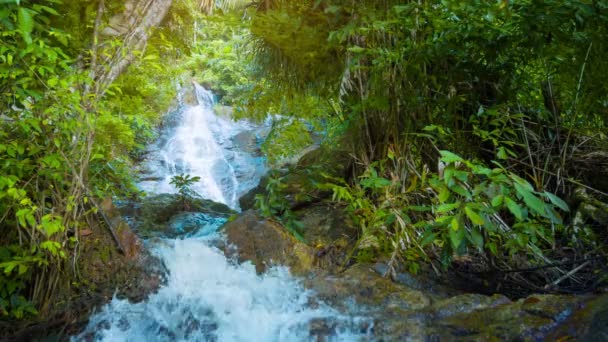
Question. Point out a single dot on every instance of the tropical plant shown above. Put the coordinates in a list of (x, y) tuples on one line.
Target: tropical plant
[(183, 183)]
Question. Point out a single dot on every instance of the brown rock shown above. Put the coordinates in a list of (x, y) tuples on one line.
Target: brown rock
[(265, 243)]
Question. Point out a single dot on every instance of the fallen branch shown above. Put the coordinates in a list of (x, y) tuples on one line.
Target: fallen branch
[(567, 275)]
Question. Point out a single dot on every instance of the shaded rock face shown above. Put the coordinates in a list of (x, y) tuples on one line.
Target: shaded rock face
[(300, 180), (120, 262), (127, 241), (590, 323), (369, 290), (533, 318)]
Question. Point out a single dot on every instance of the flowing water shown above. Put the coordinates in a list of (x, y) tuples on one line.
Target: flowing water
[(208, 297), (203, 145)]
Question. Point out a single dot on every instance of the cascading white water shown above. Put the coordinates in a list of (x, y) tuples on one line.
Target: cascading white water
[(197, 147), (208, 297)]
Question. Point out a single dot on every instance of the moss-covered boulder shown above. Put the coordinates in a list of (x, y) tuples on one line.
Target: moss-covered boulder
[(170, 215), (300, 180), (589, 323), (361, 284), (530, 319)]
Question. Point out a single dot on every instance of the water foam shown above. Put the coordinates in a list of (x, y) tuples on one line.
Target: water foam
[(209, 298)]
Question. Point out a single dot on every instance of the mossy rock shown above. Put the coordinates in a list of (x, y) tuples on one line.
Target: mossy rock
[(300, 180), (155, 215), (367, 288), (532, 318)]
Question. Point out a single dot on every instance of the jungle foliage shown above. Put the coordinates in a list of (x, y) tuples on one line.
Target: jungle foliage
[(476, 129), (67, 138), (472, 127)]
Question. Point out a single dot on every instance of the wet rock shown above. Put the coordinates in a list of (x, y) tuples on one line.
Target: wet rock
[(247, 142), (533, 318), (365, 287), (324, 224), (589, 210), (226, 112), (169, 215), (589, 323), (188, 224), (247, 201), (402, 326), (265, 243), (466, 303), (321, 329), (127, 241)]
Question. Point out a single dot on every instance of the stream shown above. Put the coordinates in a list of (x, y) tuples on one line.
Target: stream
[(207, 296)]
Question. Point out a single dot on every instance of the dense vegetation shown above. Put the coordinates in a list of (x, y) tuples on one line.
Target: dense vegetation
[(69, 128), (475, 131)]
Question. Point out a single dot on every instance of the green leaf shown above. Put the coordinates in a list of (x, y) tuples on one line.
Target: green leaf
[(444, 194), (8, 266), (427, 238), (557, 201), (455, 224), (375, 182), (462, 176), (46, 9), (447, 207), (473, 216), (449, 157), (502, 153), (22, 269), (476, 238), (497, 201), (462, 191), (531, 201), (514, 208), (26, 24), (456, 237), (448, 173)]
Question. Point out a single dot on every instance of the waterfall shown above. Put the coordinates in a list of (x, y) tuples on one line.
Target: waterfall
[(201, 146), (208, 297)]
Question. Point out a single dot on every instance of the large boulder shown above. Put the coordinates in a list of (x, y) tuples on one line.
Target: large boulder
[(589, 323), (115, 262), (265, 243)]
